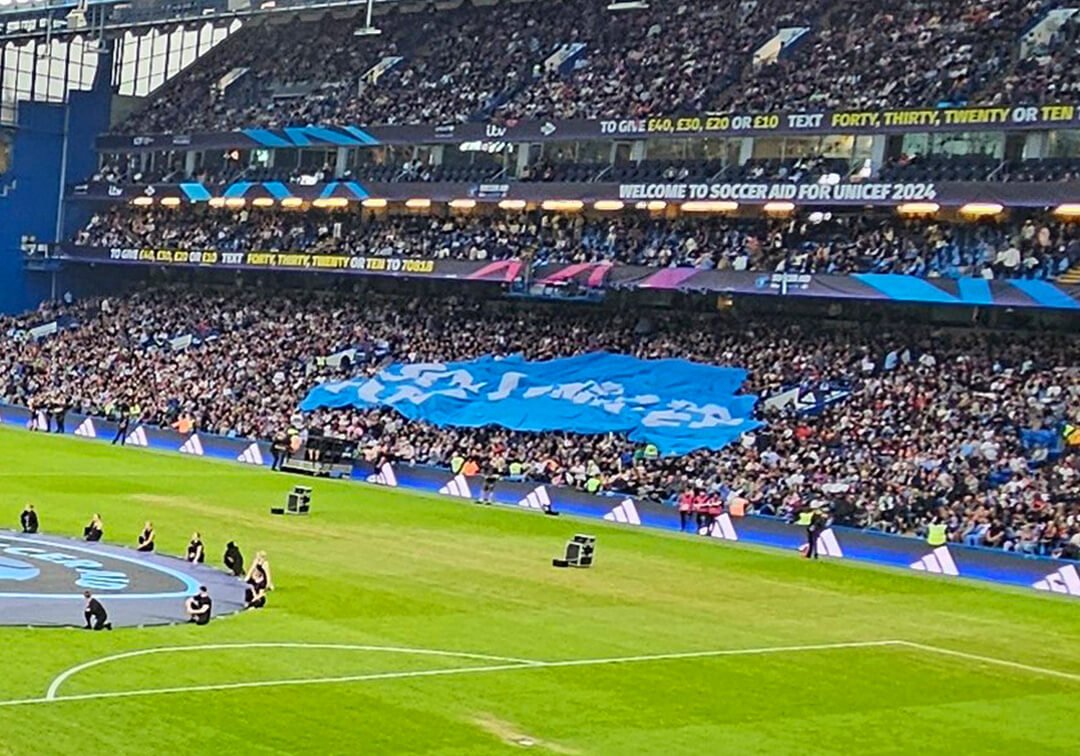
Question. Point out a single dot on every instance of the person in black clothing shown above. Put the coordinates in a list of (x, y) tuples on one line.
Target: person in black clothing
[(260, 571), (96, 612), (279, 448), (233, 559), (198, 607), (123, 419), (254, 597), (60, 410), (29, 519), (487, 495), (146, 537), (95, 530), (195, 551), (814, 528), (37, 417), (255, 591)]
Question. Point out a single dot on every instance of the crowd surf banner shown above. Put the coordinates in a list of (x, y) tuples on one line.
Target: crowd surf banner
[(678, 406)]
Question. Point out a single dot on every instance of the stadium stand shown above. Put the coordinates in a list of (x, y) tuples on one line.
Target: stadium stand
[(894, 54), (1034, 246), (578, 60), (928, 422)]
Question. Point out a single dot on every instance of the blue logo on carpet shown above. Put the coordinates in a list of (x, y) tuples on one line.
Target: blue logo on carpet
[(14, 569)]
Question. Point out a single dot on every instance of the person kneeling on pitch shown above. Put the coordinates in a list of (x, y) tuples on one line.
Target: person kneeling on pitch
[(198, 607), (233, 559), (195, 551), (260, 572), (254, 594), (29, 519), (96, 612), (95, 530), (146, 537)]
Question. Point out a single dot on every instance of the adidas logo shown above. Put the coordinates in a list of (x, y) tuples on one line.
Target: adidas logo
[(1066, 580), (458, 486), (137, 437), (250, 456), (86, 429), (939, 561), (625, 512), (385, 476), (538, 499), (722, 527), (827, 545), (192, 446)]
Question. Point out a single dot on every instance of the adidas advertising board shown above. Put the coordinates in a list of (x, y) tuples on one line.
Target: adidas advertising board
[(384, 477), (137, 437), (537, 499), (252, 455), (626, 512), (457, 487), (1034, 573), (939, 561), (192, 446), (722, 527), (1064, 580)]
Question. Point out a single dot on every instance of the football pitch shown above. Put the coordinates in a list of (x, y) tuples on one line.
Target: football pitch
[(411, 624)]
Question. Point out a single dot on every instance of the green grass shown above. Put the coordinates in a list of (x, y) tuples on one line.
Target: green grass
[(390, 568)]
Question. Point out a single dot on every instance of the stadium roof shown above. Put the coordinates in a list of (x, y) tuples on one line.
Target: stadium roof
[(33, 17)]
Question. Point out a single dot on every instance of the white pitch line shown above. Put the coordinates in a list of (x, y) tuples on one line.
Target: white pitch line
[(63, 676), (991, 660), (522, 664), (51, 697)]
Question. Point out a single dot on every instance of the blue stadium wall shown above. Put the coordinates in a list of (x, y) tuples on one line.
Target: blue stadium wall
[(954, 560), (34, 182)]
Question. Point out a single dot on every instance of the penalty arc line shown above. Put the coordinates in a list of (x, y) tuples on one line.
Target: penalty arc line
[(51, 697), (66, 674), (534, 665)]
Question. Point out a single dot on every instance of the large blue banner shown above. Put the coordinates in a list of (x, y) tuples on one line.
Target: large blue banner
[(677, 405)]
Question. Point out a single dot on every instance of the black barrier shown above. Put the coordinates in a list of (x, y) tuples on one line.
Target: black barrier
[(499, 271), (749, 193), (973, 292), (669, 126)]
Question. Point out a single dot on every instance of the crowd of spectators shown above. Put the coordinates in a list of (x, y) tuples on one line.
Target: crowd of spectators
[(476, 62), (817, 242), (903, 53), (1047, 73), (670, 58), (937, 426), (454, 64)]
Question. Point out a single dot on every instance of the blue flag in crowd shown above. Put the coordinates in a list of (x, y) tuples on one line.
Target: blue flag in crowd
[(677, 405)]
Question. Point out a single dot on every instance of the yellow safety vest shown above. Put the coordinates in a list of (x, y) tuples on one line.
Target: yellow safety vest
[(935, 535)]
